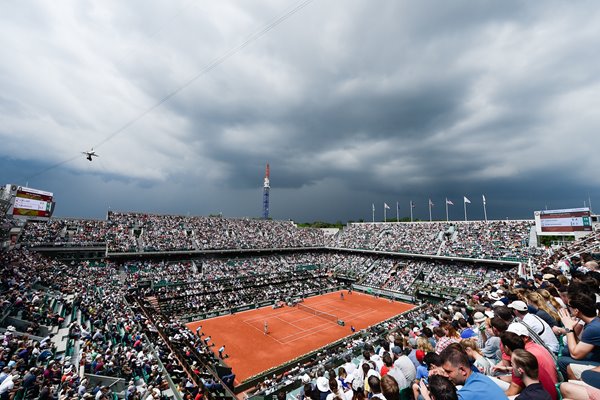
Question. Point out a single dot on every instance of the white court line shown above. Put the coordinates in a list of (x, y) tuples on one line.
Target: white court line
[(308, 334), (258, 318), (268, 335), (310, 330), (313, 331), (290, 323)]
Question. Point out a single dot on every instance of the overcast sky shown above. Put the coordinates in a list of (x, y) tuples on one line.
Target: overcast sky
[(352, 102)]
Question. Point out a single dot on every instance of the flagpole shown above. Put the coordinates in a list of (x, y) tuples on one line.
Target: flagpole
[(411, 214), (397, 212), (429, 210), (484, 209), (373, 207), (465, 204), (384, 213), (446, 209)]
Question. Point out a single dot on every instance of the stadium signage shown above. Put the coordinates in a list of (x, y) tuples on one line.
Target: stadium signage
[(563, 222), (29, 203)]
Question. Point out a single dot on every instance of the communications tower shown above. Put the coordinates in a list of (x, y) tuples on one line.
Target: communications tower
[(266, 188)]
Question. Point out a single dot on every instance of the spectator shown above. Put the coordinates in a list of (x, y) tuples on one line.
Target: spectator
[(375, 388), (585, 353), (525, 367), (438, 388), (442, 340), (538, 325), (389, 388), (517, 337), (476, 356), (475, 385), (405, 365)]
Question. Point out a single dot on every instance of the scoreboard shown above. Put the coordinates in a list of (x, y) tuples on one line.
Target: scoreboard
[(29, 203), (568, 221)]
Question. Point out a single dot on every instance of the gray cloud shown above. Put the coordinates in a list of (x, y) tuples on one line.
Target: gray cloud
[(351, 102)]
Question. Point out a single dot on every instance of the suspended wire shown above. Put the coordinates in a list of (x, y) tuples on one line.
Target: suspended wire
[(206, 69), (209, 67), (50, 168)]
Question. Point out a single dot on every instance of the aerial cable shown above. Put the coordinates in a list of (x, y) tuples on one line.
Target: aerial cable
[(209, 67), (206, 69)]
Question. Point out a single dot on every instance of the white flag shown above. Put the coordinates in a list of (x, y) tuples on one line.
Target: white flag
[(483, 195), (449, 202), (467, 200), (386, 206)]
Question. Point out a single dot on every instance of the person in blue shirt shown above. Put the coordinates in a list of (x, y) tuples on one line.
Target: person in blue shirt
[(431, 361), (455, 363)]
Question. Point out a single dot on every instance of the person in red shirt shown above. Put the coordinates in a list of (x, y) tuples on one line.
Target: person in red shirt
[(388, 363), (517, 337)]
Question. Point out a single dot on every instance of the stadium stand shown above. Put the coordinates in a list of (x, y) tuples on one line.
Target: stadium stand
[(114, 328)]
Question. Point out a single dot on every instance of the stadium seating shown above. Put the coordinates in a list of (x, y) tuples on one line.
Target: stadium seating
[(120, 321)]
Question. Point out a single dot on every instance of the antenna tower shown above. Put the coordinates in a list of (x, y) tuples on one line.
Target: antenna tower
[(266, 188)]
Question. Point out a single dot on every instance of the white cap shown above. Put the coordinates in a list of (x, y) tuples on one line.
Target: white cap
[(518, 328), (518, 305)]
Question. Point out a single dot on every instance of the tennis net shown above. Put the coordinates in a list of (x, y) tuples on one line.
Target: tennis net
[(314, 311)]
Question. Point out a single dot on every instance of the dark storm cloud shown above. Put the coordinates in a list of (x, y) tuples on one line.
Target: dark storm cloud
[(351, 102)]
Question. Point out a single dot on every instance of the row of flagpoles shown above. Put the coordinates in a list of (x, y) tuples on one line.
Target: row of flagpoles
[(412, 205)]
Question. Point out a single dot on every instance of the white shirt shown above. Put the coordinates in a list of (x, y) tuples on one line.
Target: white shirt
[(349, 367), (7, 385), (407, 367), (397, 374), (543, 330), (378, 361)]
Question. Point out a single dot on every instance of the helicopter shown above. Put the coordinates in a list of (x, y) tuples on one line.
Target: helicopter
[(90, 154)]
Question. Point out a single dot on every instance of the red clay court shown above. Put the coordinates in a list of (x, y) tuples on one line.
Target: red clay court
[(292, 331)]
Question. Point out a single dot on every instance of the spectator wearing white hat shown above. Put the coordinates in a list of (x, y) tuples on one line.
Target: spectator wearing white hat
[(479, 327), (538, 325), (517, 336)]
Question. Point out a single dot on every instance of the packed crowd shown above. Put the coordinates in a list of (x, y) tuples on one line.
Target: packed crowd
[(476, 239), (227, 293), (61, 232), (206, 275), (516, 335), (490, 240), (85, 307), (160, 271), (353, 266), (179, 233), (140, 232)]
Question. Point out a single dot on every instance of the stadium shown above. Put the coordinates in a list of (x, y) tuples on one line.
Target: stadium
[(143, 255), (176, 306)]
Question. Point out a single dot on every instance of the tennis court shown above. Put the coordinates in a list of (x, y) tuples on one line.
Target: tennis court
[(292, 331)]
